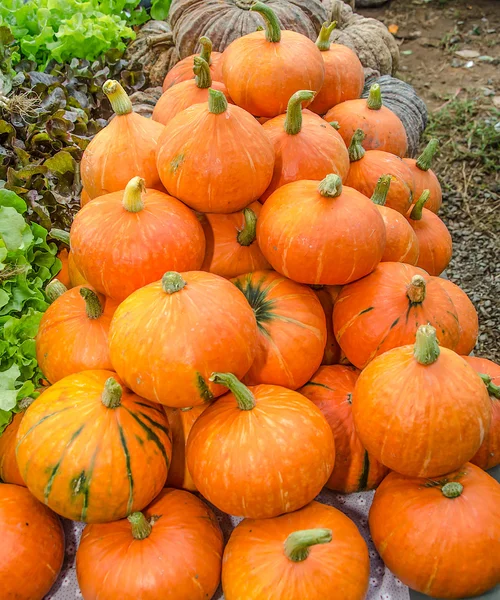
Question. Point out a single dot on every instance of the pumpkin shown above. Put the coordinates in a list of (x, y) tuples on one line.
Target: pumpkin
[(401, 242), (9, 471), (227, 20), (63, 275), (321, 232), (488, 455), (331, 389), (297, 556), (327, 295), (84, 198), (73, 332), (344, 75), (171, 550), (75, 277), (93, 451), (263, 427), (462, 510), (468, 323), (382, 128), (292, 329), (305, 146), (421, 410), (181, 420), (434, 239), (126, 147), (367, 166), (232, 248), (28, 528), (215, 157), (137, 232), (188, 325), (424, 177), (253, 64), (385, 309)]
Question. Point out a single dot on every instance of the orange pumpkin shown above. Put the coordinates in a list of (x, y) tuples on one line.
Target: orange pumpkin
[(126, 147), (488, 455), (382, 128), (434, 239), (75, 277), (9, 471), (462, 510), (92, 450), (385, 309), (84, 198), (231, 247), (255, 63), (327, 295), (236, 470), (468, 323), (314, 553), (344, 75), (215, 157), (172, 550), (331, 389), (367, 166), (63, 275), (189, 92), (421, 410), (305, 146), (425, 178), (138, 233), (167, 338), (28, 528), (292, 329), (183, 70), (321, 232)]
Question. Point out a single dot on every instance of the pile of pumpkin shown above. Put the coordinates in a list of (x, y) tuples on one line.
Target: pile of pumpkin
[(258, 315)]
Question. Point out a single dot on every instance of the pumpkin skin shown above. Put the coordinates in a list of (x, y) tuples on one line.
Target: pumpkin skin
[(327, 295), (255, 564), (63, 275), (236, 472), (125, 148), (305, 146), (385, 309), (321, 233), (180, 559), (9, 471), (217, 330), (215, 158), (27, 526), (331, 389), (138, 232), (253, 64), (183, 70), (468, 323), (231, 245), (425, 178), (488, 455), (421, 410), (292, 329), (73, 334), (84, 199), (96, 463), (75, 277), (461, 559)]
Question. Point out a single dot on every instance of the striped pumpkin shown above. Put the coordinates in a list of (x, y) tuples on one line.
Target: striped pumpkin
[(93, 451)]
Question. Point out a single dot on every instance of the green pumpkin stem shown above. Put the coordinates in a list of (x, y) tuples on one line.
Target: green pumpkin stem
[(417, 211), (132, 196), (335, 125), (112, 393), (356, 150), (381, 190), (206, 49), (55, 289), (273, 28), (120, 102), (60, 235), (246, 236), (424, 161), (93, 305), (141, 527), (374, 101), (453, 489), (203, 78), (426, 349), (293, 121), (323, 41), (172, 282), (243, 395), (331, 186), (217, 102), (298, 544), (416, 290), (493, 390)]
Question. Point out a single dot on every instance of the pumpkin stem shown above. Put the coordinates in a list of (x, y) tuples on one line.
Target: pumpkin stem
[(426, 345), (25, 403), (217, 102), (335, 125), (493, 390), (132, 196), (206, 49), (60, 235), (172, 282), (55, 289), (424, 161), (453, 489), (330, 187), (120, 102), (293, 121), (298, 543), (416, 290), (246, 236), (323, 41), (243, 395), (416, 213), (141, 527), (93, 305), (356, 150), (381, 190), (273, 28), (203, 78), (374, 101), (112, 393)]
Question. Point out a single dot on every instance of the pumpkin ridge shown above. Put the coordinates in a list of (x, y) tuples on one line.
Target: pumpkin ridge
[(86, 489), (55, 469), (39, 423), (158, 410), (321, 385), (165, 430), (203, 388), (294, 322), (363, 479), (130, 477), (151, 435)]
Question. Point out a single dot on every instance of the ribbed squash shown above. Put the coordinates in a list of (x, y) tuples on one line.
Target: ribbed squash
[(425, 178)]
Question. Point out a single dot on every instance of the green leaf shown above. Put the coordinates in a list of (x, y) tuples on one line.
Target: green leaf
[(12, 228), (9, 198), (160, 9)]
